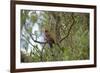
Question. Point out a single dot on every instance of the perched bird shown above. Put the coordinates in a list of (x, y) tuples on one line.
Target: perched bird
[(49, 39)]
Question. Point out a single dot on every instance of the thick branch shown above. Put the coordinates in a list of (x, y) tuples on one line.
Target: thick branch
[(69, 29), (36, 40)]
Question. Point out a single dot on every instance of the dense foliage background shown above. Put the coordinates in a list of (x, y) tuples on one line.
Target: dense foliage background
[(70, 31)]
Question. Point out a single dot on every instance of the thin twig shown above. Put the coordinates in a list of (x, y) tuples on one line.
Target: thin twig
[(27, 40), (33, 38), (42, 52)]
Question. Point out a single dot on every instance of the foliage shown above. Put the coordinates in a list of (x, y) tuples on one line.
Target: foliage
[(70, 31)]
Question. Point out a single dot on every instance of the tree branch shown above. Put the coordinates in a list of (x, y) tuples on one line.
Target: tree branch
[(41, 57), (28, 40), (36, 40), (30, 43), (69, 28), (30, 34)]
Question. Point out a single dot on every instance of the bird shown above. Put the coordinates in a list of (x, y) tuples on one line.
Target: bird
[(49, 39)]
